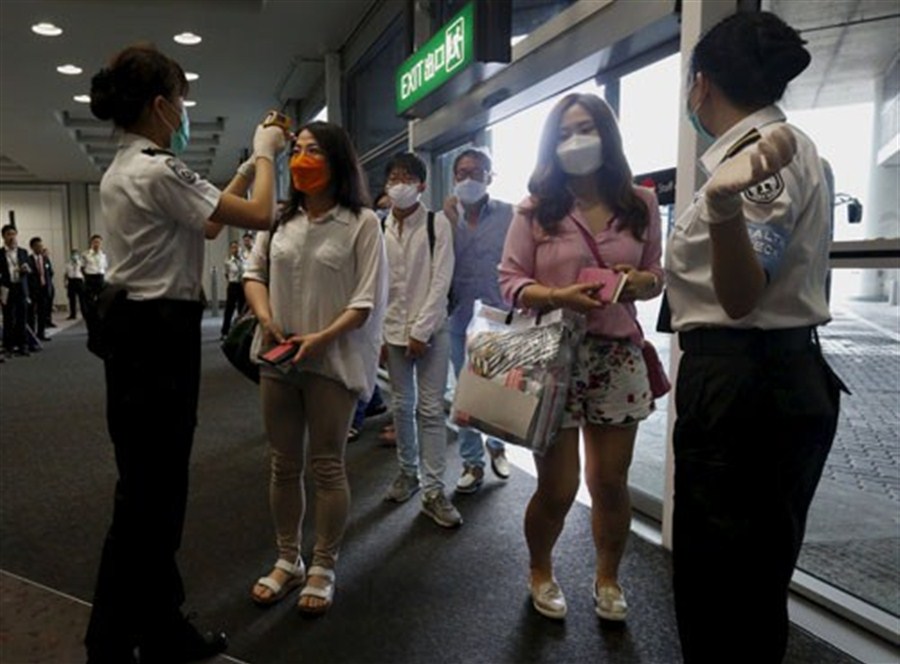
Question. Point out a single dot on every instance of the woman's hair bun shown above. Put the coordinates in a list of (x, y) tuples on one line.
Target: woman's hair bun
[(782, 51), (103, 94)]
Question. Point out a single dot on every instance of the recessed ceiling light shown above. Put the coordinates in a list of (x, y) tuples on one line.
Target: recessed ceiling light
[(82, 99), (191, 76), (70, 70), (188, 38), (46, 29), (189, 103)]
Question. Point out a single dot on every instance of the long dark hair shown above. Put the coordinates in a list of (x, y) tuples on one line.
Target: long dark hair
[(347, 183), (134, 78), (548, 183), (751, 57)]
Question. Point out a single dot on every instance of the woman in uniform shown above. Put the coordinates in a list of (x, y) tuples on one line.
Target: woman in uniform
[(582, 195), (757, 405), (318, 281), (158, 213)]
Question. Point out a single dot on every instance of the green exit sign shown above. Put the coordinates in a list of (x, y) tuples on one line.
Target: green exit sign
[(447, 53)]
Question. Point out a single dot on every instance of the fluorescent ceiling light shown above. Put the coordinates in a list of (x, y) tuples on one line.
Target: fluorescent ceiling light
[(70, 70), (82, 99), (188, 38), (46, 29), (189, 103), (191, 76)]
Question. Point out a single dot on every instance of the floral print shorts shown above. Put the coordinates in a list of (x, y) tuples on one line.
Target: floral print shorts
[(609, 385)]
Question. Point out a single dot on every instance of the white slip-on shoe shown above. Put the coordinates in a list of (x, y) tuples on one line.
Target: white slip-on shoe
[(548, 600), (609, 602)]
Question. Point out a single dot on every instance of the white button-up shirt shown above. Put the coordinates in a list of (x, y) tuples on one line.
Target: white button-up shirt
[(419, 283), (94, 262), (157, 208), (318, 270)]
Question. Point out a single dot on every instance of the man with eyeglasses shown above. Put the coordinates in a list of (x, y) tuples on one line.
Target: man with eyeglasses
[(479, 226)]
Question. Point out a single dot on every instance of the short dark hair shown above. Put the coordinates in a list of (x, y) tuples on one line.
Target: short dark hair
[(751, 57), (33, 241), (548, 183), (347, 185), (474, 153), (9, 227), (408, 162), (133, 79), (96, 236), (248, 234)]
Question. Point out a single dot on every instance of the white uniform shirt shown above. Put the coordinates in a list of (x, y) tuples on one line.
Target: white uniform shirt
[(234, 269), (419, 284), (318, 270), (789, 221), (94, 262), (73, 269), (155, 209)]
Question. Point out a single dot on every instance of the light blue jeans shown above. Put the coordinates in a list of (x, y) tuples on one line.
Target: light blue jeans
[(417, 391), (470, 448)]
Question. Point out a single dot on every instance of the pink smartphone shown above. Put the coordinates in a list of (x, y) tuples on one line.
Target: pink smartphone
[(611, 282), (281, 353)]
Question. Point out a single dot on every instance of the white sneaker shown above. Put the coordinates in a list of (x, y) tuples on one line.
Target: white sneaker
[(470, 480), (499, 463), (609, 602)]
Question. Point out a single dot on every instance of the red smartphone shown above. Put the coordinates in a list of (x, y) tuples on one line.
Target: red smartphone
[(610, 282), (280, 354)]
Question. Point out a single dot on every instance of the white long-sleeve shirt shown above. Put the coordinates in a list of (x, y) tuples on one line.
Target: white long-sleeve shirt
[(419, 283)]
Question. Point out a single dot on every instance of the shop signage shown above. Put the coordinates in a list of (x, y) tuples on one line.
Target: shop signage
[(443, 56), (663, 182)]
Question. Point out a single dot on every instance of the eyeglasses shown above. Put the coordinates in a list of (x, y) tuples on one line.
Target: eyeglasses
[(471, 174)]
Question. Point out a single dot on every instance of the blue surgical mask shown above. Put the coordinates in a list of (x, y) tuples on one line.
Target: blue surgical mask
[(180, 137), (694, 119)]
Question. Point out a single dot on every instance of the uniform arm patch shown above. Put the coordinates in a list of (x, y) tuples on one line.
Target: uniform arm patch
[(183, 172), (769, 242), (765, 192)]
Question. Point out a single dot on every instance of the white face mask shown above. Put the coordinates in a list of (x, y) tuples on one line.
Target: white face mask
[(580, 154), (470, 191), (403, 195)]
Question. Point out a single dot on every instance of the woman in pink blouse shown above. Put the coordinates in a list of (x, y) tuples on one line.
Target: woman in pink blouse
[(581, 192)]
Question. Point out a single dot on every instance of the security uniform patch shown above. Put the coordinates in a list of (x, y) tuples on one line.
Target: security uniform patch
[(182, 171), (766, 191)]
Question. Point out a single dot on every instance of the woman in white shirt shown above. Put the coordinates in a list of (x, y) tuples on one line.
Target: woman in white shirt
[(321, 286)]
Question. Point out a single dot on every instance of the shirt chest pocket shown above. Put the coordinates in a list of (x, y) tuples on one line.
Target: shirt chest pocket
[(334, 253)]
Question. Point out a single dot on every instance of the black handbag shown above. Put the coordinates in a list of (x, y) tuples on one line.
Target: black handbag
[(236, 346)]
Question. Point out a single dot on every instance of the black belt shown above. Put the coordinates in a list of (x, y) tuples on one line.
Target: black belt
[(731, 341)]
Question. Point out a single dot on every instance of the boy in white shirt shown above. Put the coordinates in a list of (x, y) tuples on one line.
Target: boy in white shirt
[(420, 259)]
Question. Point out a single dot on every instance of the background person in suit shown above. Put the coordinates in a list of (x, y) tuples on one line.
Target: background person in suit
[(39, 288), (14, 283)]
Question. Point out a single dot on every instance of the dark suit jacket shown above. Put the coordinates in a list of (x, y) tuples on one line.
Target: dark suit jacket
[(5, 278), (34, 279)]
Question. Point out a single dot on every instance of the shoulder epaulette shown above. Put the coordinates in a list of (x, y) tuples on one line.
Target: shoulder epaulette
[(153, 152), (747, 139)]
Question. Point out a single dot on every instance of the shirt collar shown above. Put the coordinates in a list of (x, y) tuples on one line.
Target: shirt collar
[(718, 151), (415, 217), (338, 213), (483, 212), (137, 141)]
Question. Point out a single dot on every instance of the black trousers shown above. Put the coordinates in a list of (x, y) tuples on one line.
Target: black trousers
[(234, 304), (14, 312), (75, 291), (152, 382), (757, 413), (37, 311)]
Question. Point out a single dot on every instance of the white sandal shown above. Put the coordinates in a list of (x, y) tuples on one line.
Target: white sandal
[(296, 577), (326, 593)]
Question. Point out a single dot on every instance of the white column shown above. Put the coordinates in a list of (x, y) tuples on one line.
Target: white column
[(697, 16)]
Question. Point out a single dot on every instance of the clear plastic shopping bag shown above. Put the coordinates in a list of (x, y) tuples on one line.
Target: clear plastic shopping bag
[(517, 373)]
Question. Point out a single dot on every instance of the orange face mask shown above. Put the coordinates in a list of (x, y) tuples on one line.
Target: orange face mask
[(309, 175)]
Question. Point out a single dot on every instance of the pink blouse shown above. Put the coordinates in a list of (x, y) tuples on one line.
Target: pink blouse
[(532, 256)]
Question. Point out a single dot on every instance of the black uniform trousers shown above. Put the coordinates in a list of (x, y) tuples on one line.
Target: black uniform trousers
[(757, 413), (14, 312), (234, 304), (37, 310), (152, 382), (75, 291)]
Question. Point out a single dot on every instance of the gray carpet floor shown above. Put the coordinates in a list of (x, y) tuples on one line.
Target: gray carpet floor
[(407, 591)]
